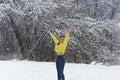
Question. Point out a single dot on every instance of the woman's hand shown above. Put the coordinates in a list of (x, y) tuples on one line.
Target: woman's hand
[(71, 30), (48, 32)]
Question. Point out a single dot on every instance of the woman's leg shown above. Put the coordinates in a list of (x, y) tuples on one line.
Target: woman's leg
[(62, 68), (58, 68), (60, 63)]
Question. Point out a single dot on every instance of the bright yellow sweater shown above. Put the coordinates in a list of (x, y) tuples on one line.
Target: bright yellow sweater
[(62, 46)]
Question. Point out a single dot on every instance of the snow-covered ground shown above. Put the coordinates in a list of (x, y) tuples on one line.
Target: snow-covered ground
[(29, 70)]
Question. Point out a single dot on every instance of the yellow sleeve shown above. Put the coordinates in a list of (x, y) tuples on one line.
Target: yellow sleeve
[(66, 39), (54, 38)]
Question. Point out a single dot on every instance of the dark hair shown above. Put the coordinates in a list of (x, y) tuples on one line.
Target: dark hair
[(60, 37)]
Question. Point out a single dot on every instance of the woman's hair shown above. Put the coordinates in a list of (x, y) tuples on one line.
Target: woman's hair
[(60, 37)]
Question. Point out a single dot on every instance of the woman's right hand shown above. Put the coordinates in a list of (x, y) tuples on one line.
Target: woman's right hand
[(48, 32)]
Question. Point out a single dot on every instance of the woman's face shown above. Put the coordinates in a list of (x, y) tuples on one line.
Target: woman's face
[(61, 39)]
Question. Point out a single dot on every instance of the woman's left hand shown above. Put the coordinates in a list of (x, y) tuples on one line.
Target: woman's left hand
[(71, 30)]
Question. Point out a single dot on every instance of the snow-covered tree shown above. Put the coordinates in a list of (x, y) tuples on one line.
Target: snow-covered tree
[(24, 25)]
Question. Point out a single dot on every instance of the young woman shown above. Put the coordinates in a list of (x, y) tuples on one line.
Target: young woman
[(60, 47)]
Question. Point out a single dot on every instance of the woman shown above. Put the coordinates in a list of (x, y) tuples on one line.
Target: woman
[(60, 47)]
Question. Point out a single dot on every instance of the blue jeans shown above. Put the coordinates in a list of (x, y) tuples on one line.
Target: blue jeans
[(60, 63)]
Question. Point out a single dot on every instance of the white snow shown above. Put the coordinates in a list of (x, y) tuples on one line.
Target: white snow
[(29, 70)]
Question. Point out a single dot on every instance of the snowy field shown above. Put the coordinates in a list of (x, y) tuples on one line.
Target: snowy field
[(29, 70)]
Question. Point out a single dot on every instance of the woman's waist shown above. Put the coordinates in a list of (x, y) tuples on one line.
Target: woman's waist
[(60, 54)]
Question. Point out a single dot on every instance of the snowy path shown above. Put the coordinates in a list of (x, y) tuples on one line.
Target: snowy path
[(29, 70)]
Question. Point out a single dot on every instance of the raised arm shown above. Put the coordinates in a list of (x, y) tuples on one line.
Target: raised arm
[(67, 36), (54, 38)]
